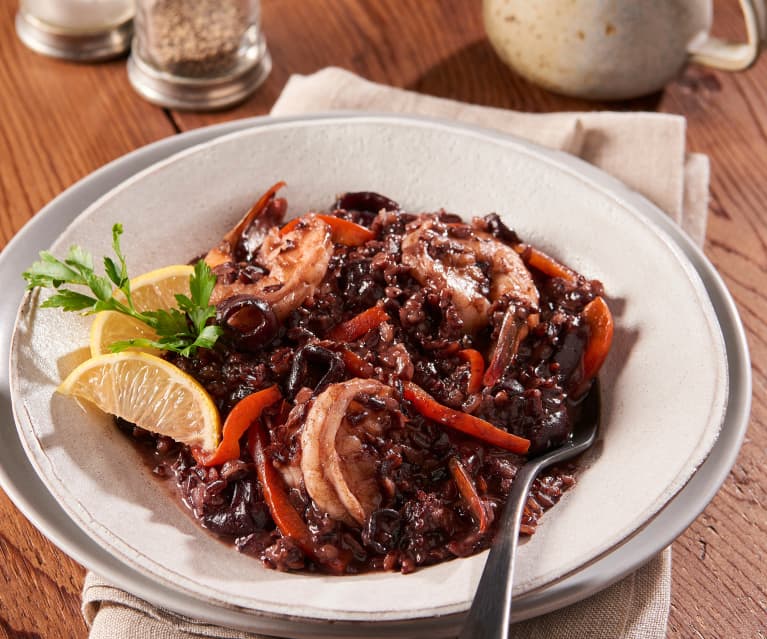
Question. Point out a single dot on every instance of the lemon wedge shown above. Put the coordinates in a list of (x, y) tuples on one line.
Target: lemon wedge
[(149, 392), (154, 290)]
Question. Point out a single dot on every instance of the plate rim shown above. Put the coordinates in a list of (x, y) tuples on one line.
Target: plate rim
[(605, 183)]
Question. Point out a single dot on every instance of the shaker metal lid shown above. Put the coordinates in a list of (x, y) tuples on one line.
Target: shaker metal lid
[(200, 93), (81, 47)]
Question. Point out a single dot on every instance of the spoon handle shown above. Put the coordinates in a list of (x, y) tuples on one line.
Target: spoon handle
[(490, 613)]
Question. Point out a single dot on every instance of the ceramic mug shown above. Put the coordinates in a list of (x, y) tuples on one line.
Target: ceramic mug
[(614, 49)]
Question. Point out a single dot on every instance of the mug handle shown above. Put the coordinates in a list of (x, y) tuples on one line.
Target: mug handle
[(732, 56)]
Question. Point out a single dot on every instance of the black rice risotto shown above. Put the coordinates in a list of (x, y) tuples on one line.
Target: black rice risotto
[(398, 367)]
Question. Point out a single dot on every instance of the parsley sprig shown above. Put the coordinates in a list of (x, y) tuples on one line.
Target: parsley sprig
[(182, 330)]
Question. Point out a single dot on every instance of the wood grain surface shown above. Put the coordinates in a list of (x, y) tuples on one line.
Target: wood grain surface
[(60, 121)]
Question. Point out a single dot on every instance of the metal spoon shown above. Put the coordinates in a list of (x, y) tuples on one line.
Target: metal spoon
[(490, 614)]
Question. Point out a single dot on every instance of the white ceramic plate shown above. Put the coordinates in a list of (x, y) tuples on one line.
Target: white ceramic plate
[(555, 202)]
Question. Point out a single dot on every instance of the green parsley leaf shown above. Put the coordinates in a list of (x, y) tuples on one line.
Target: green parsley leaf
[(50, 273), (117, 347), (80, 259), (201, 284), (168, 323), (69, 301), (182, 330), (208, 336)]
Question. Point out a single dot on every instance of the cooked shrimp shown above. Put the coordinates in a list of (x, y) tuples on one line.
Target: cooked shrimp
[(478, 270), (339, 475), (250, 231), (296, 262)]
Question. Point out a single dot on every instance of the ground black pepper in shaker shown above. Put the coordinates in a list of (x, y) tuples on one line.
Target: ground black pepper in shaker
[(198, 54)]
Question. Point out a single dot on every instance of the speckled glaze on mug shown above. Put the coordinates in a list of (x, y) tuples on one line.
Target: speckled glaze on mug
[(613, 49)]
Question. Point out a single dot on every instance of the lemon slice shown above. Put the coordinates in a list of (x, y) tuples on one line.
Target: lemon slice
[(154, 290), (149, 392)]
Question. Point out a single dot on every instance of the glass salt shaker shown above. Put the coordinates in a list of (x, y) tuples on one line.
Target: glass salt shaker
[(82, 30), (198, 54)]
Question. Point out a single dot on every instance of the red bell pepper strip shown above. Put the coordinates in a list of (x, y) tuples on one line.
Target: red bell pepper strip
[(290, 225), (346, 232), (284, 514), (244, 413), (468, 492), (476, 368), (356, 365), (430, 408), (358, 325), (545, 263), (513, 331), (223, 253), (233, 235), (341, 231), (601, 327)]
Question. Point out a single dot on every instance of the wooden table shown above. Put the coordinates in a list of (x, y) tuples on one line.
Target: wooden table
[(60, 121)]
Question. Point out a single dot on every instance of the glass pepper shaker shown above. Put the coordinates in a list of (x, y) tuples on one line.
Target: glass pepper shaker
[(82, 30), (198, 54)]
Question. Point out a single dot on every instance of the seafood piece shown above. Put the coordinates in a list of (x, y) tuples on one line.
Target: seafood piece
[(365, 201), (249, 320), (241, 243), (339, 474), (296, 263), (327, 365), (478, 270)]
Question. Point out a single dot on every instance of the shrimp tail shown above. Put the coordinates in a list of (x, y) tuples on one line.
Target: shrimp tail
[(513, 330), (224, 252)]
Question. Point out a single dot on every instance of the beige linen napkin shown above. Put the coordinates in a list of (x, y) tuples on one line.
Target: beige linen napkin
[(634, 608), (646, 151)]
